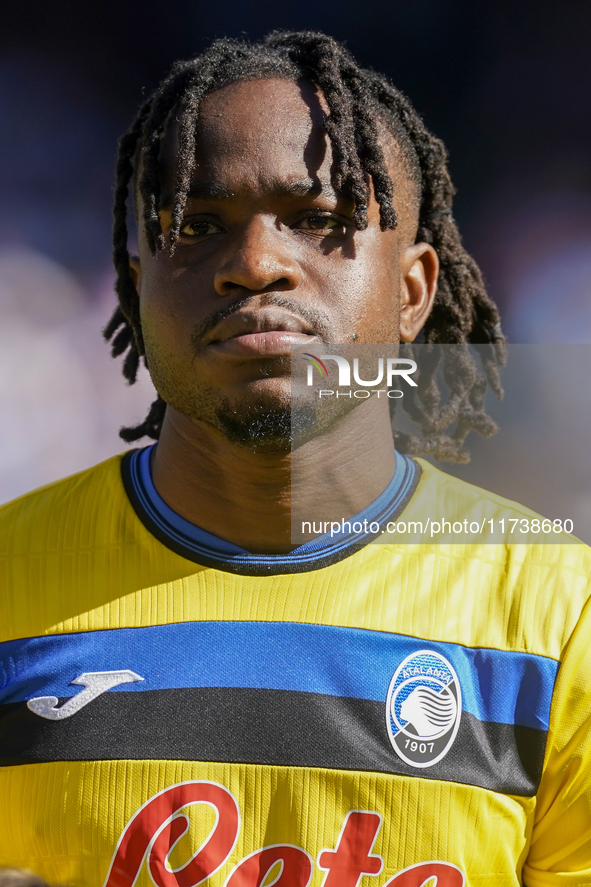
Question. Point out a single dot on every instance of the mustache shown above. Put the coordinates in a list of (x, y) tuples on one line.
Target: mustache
[(317, 321)]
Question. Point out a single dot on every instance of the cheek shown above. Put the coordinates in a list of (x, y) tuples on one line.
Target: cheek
[(371, 308), (379, 323), (170, 303), (159, 319)]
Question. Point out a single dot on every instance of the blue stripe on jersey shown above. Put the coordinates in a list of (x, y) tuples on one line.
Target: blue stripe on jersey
[(199, 542), (500, 686)]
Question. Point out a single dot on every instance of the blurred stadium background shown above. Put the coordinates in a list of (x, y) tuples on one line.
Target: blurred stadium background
[(506, 85)]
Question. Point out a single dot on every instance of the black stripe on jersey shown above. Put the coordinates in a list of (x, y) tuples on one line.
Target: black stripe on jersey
[(276, 727)]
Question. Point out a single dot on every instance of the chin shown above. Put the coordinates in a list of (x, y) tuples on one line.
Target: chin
[(259, 417), (256, 415), (255, 425)]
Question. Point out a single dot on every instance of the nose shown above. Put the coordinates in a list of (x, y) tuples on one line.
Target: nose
[(260, 258)]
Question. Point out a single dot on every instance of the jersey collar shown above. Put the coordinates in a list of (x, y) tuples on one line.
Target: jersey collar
[(202, 547)]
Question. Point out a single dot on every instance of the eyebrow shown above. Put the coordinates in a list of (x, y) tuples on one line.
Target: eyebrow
[(212, 190)]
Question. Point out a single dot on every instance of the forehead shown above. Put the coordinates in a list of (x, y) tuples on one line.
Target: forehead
[(256, 128), (255, 133), (278, 109)]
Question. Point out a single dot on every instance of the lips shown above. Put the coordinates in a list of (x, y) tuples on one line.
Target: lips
[(266, 332)]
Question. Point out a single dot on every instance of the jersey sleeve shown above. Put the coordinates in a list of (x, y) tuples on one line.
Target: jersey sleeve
[(560, 850)]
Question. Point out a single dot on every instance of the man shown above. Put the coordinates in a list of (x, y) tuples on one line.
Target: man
[(188, 696)]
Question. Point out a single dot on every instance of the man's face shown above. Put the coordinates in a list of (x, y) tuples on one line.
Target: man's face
[(268, 258)]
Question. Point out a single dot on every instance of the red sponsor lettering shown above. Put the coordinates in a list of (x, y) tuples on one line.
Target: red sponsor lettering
[(295, 871), (442, 874), (152, 833), (156, 828), (351, 858)]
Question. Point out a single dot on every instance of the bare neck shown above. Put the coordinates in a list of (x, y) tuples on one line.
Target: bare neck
[(253, 499)]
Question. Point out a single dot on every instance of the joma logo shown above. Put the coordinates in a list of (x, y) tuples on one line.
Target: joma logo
[(95, 683)]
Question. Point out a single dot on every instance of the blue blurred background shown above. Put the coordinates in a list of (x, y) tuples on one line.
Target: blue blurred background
[(505, 84)]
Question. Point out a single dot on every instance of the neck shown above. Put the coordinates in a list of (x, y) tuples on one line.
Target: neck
[(253, 498)]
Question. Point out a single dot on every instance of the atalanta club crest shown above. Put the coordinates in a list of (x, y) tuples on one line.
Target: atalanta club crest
[(423, 708)]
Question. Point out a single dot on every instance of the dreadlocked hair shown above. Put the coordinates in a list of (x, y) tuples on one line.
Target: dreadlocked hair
[(358, 102)]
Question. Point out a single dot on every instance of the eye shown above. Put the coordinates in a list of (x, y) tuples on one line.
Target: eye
[(321, 224), (193, 228)]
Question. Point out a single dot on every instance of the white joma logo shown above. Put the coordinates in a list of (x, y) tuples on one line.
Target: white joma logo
[(94, 682)]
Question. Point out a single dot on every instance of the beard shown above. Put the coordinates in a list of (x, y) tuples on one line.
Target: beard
[(258, 419), (256, 426), (270, 427), (275, 429)]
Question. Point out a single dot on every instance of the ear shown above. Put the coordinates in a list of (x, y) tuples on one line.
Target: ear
[(135, 272), (419, 269)]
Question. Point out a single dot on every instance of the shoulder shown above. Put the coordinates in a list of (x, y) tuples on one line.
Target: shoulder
[(497, 573), (56, 547), (50, 515), (459, 493), (446, 496)]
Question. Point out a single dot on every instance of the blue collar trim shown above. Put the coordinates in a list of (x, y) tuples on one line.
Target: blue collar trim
[(198, 545)]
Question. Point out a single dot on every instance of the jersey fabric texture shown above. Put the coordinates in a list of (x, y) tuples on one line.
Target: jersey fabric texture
[(174, 709)]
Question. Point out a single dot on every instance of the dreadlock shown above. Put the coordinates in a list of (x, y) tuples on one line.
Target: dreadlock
[(358, 101)]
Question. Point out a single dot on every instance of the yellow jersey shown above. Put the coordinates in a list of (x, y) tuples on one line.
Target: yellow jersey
[(176, 711)]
